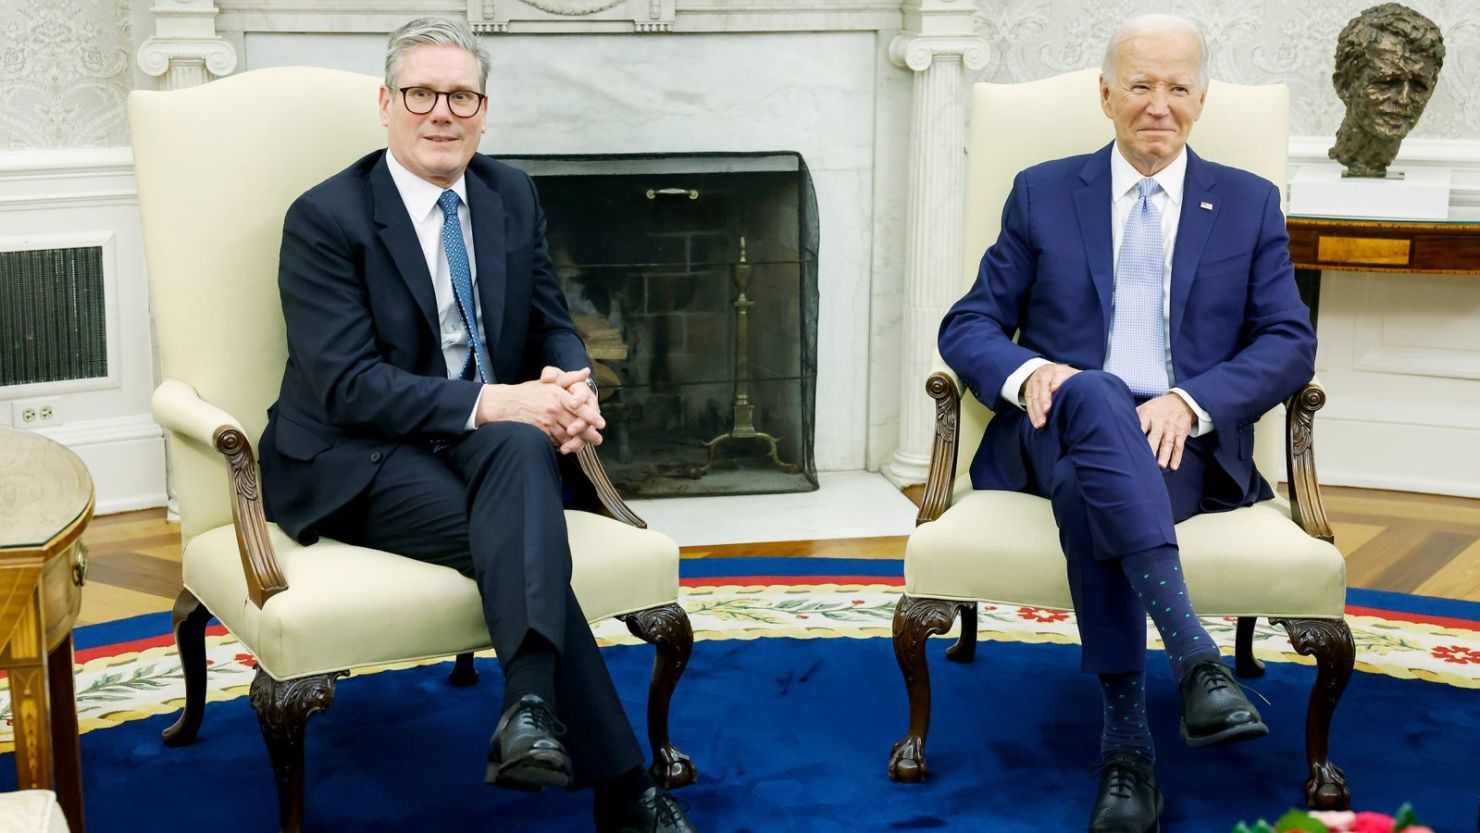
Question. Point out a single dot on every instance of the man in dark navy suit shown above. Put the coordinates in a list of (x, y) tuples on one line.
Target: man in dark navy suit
[(1157, 319), (433, 379)]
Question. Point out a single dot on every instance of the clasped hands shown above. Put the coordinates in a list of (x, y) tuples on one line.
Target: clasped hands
[(559, 403), (1167, 421)]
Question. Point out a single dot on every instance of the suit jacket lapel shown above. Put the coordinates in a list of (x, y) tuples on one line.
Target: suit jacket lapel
[(1092, 204), (1193, 229), (399, 237), (490, 251)]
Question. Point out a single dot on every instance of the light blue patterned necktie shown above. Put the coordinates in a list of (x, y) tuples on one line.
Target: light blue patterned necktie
[(462, 286), (1137, 351)]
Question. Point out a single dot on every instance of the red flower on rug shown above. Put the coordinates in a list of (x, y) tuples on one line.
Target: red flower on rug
[(1458, 654), (1038, 614), (246, 659)]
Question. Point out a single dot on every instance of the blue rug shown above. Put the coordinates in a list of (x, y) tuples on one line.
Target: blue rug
[(793, 734)]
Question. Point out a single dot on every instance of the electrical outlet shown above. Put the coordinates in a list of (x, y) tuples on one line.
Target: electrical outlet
[(36, 413)]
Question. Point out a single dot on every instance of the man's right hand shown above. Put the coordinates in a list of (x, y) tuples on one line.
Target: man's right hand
[(558, 403), (1039, 389)]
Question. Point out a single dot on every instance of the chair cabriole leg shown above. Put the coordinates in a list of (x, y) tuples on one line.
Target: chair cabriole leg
[(1330, 642), (1244, 662), (915, 620), (463, 673), (283, 709), (189, 624), (965, 648), (668, 630)]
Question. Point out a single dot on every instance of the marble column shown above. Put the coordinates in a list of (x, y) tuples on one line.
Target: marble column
[(185, 50), (941, 53)]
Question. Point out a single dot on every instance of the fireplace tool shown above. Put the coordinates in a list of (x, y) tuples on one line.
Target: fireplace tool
[(743, 410)]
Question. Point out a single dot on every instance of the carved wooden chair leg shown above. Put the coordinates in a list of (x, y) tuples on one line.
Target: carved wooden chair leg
[(1244, 662), (1330, 642), (965, 648), (915, 620), (667, 628), (463, 673), (283, 709), (189, 621)]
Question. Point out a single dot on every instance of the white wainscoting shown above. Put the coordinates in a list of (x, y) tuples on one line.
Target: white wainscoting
[(88, 196)]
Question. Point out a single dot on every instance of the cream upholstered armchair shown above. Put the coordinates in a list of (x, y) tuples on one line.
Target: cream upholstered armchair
[(1274, 559), (217, 167)]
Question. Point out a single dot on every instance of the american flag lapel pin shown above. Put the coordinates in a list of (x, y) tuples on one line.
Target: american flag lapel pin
[(1205, 206)]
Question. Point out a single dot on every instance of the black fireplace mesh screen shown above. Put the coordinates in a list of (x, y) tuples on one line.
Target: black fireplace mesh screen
[(693, 280)]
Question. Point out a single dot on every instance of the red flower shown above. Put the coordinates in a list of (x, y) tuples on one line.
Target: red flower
[(1372, 823), (1037, 614), (246, 659), (858, 601), (1458, 654), (801, 616), (989, 607)]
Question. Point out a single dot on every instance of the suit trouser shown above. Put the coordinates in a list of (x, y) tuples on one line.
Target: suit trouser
[(1110, 500), (490, 507)]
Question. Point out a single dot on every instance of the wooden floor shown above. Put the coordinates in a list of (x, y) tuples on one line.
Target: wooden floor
[(1410, 543)]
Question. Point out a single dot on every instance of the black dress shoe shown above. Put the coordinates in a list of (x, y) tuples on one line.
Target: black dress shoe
[(1129, 801), (655, 811), (1214, 710), (524, 752)]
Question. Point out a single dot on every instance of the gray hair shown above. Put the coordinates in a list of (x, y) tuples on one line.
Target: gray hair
[(1156, 24), (434, 30)]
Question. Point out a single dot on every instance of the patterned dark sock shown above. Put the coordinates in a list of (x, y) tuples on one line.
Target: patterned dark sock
[(1156, 575), (531, 671), (1125, 715)]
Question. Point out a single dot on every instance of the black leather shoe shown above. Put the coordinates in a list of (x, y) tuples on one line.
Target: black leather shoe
[(1214, 710), (655, 811), (524, 752), (1129, 801)]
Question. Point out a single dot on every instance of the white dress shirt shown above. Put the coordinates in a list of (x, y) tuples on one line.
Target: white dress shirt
[(1167, 201), (420, 198)]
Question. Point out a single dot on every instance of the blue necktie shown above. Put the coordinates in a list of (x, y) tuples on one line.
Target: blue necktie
[(462, 287), (1137, 352)]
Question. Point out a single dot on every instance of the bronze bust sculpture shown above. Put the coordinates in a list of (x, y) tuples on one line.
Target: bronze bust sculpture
[(1387, 61)]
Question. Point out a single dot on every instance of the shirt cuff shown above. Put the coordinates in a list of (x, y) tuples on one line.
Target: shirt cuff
[(1204, 419), (1013, 387), (472, 417)]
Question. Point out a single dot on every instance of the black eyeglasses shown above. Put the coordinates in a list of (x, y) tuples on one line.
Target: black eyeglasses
[(422, 100)]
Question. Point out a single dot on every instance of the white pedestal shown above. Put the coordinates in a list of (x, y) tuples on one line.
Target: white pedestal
[(1319, 190)]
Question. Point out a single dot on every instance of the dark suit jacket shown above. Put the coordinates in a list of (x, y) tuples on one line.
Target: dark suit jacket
[(365, 371), (1241, 338)]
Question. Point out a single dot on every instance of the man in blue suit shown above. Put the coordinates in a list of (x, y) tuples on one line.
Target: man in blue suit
[(433, 379), (1157, 318)]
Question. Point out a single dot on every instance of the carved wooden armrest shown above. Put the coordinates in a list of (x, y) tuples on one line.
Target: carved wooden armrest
[(611, 502), (1300, 461), (180, 409), (945, 390)]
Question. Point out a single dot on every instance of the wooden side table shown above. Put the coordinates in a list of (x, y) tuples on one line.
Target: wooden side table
[(1318, 243), (46, 501)]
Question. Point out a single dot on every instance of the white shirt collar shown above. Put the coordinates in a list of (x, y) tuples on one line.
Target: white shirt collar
[(1123, 177), (419, 195)]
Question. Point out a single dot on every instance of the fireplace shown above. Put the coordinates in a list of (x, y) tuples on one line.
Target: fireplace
[(693, 280)]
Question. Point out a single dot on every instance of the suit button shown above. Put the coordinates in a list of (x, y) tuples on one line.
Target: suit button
[(375, 456)]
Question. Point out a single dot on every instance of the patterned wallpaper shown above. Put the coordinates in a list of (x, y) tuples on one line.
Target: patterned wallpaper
[(1251, 41), (64, 73), (65, 64)]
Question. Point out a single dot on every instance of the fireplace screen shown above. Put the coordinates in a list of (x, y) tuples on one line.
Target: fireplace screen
[(693, 280)]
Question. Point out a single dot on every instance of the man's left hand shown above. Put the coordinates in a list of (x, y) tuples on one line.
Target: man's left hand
[(1167, 422)]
